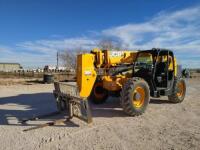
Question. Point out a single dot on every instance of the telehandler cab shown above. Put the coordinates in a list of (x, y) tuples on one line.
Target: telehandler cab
[(136, 75)]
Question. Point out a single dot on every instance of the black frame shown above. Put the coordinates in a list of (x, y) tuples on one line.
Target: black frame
[(154, 89)]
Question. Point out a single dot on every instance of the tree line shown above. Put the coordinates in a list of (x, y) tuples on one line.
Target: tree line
[(68, 56)]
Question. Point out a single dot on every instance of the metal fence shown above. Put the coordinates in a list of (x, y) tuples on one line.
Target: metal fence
[(59, 76)]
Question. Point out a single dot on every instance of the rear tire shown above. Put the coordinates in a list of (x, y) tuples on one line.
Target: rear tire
[(179, 91), (135, 96), (98, 95)]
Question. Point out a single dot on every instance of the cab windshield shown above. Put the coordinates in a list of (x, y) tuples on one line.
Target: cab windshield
[(144, 60)]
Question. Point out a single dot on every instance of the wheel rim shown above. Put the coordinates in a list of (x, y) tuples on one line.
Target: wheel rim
[(181, 87), (138, 97)]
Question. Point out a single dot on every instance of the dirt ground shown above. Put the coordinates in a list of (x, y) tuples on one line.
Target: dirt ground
[(163, 126)]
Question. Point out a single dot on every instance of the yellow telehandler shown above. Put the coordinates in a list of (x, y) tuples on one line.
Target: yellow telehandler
[(134, 76)]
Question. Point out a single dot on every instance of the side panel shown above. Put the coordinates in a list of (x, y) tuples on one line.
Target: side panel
[(86, 74), (114, 83), (119, 57)]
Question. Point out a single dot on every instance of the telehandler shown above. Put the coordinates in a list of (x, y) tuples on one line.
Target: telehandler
[(134, 76)]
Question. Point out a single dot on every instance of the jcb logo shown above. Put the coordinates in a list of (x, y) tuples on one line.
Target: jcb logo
[(116, 53)]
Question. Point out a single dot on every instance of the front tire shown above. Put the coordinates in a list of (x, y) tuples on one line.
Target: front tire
[(179, 90), (135, 96), (98, 94)]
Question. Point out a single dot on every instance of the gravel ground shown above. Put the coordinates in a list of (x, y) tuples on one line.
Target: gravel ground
[(163, 126)]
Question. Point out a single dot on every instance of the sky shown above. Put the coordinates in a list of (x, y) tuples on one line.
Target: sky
[(32, 31)]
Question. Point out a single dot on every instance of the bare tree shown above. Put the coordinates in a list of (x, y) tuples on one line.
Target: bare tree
[(69, 57), (107, 44)]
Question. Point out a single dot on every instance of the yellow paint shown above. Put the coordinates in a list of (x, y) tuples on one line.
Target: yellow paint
[(108, 58), (113, 58), (86, 74), (99, 57), (176, 67), (114, 83), (87, 64)]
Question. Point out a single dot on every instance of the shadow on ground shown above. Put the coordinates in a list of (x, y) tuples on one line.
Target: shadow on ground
[(29, 105), (25, 105)]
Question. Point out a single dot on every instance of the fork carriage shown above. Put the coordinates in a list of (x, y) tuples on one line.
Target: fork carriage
[(68, 99)]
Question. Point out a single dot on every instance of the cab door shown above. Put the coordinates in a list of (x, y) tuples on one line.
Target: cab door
[(161, 70)]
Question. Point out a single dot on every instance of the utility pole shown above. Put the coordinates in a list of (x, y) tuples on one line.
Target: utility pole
[(57, 61)]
